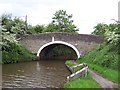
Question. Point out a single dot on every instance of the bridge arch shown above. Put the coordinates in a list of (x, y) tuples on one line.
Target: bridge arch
[(59, 42)]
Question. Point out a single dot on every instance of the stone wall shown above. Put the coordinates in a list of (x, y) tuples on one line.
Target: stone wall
[(82, 42)]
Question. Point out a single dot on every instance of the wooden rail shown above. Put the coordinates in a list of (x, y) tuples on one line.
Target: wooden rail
[(82, 72)]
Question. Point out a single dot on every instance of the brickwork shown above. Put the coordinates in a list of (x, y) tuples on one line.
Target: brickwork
[(82, 42)]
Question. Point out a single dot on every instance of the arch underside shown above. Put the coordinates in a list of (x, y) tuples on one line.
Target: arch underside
[(59, 42)]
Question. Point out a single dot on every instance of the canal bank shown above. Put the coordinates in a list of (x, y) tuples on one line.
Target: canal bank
[(79, 77), (92, 80), (16, 53)]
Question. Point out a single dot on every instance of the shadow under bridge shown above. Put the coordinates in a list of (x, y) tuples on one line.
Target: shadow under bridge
[(58, 50)]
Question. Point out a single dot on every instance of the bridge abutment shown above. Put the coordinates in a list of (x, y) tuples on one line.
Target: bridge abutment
[(81, 43)]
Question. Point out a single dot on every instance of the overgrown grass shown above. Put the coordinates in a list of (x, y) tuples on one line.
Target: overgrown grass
[(82, 82), (16, 53), (105, 72), (105, 55), (104, 60), (69, 63)]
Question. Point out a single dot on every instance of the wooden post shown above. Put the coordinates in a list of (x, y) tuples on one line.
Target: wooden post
[(86, 71), (81, 73)]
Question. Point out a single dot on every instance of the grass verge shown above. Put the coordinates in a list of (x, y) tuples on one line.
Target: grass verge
[(103, 59), (69, 63), (82, 82), (110, 74), (105, 72), (17, 53)]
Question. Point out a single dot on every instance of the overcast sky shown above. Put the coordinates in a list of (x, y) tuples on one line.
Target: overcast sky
[(86, 13)]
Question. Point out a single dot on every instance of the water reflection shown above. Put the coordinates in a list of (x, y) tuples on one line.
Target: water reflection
[(37, 74)]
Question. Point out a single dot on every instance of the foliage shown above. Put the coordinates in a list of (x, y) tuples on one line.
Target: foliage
[(82, 82), (100, 29), (6, 22), (106, 72), (110, 32), (38, 29), (16, 53), (51, 28), (105, 55), (69, 63), (112, 37), (12, 51), (15, 26), (19, 26), (7, 39), (104, 60), (61, 23)]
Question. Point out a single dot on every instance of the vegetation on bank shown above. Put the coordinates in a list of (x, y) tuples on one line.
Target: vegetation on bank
[(105, 55), (104, 58), (17, 53), (69, 63), (82, 82), (107, 73), (12, 50)]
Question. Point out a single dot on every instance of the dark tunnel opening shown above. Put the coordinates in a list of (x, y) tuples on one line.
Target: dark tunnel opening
[(58, 52)]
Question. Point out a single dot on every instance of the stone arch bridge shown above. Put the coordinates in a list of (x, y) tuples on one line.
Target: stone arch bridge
[(80, 43)]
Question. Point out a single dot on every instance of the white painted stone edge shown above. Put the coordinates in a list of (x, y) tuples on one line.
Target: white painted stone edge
[(59, 42)]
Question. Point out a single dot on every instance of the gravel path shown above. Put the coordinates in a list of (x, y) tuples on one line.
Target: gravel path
[(104, 83)]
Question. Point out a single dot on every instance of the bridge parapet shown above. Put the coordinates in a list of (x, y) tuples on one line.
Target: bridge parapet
[(82, 42)]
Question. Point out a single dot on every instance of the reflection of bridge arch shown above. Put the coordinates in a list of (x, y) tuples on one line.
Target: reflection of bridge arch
[(59, 42)]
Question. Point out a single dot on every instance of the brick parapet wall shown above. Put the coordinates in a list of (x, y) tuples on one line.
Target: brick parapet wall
[(82, 42)]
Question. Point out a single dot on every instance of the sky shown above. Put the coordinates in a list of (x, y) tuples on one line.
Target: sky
[(86, 13)]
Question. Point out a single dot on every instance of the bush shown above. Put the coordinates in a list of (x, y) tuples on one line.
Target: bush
[(105, 55), (17, 53)]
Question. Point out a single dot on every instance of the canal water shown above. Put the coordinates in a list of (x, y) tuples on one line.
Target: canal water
[(35, 74)]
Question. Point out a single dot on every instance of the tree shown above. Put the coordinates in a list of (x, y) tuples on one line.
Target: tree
[(51, 28), (6, 22), (18, 26), (61, 23), (13, 25), (110, 32), (7, 39), (100, 29), (38, 28), (112, 35)]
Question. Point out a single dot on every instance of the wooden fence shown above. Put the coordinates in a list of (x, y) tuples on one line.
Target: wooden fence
[(80, 73)]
